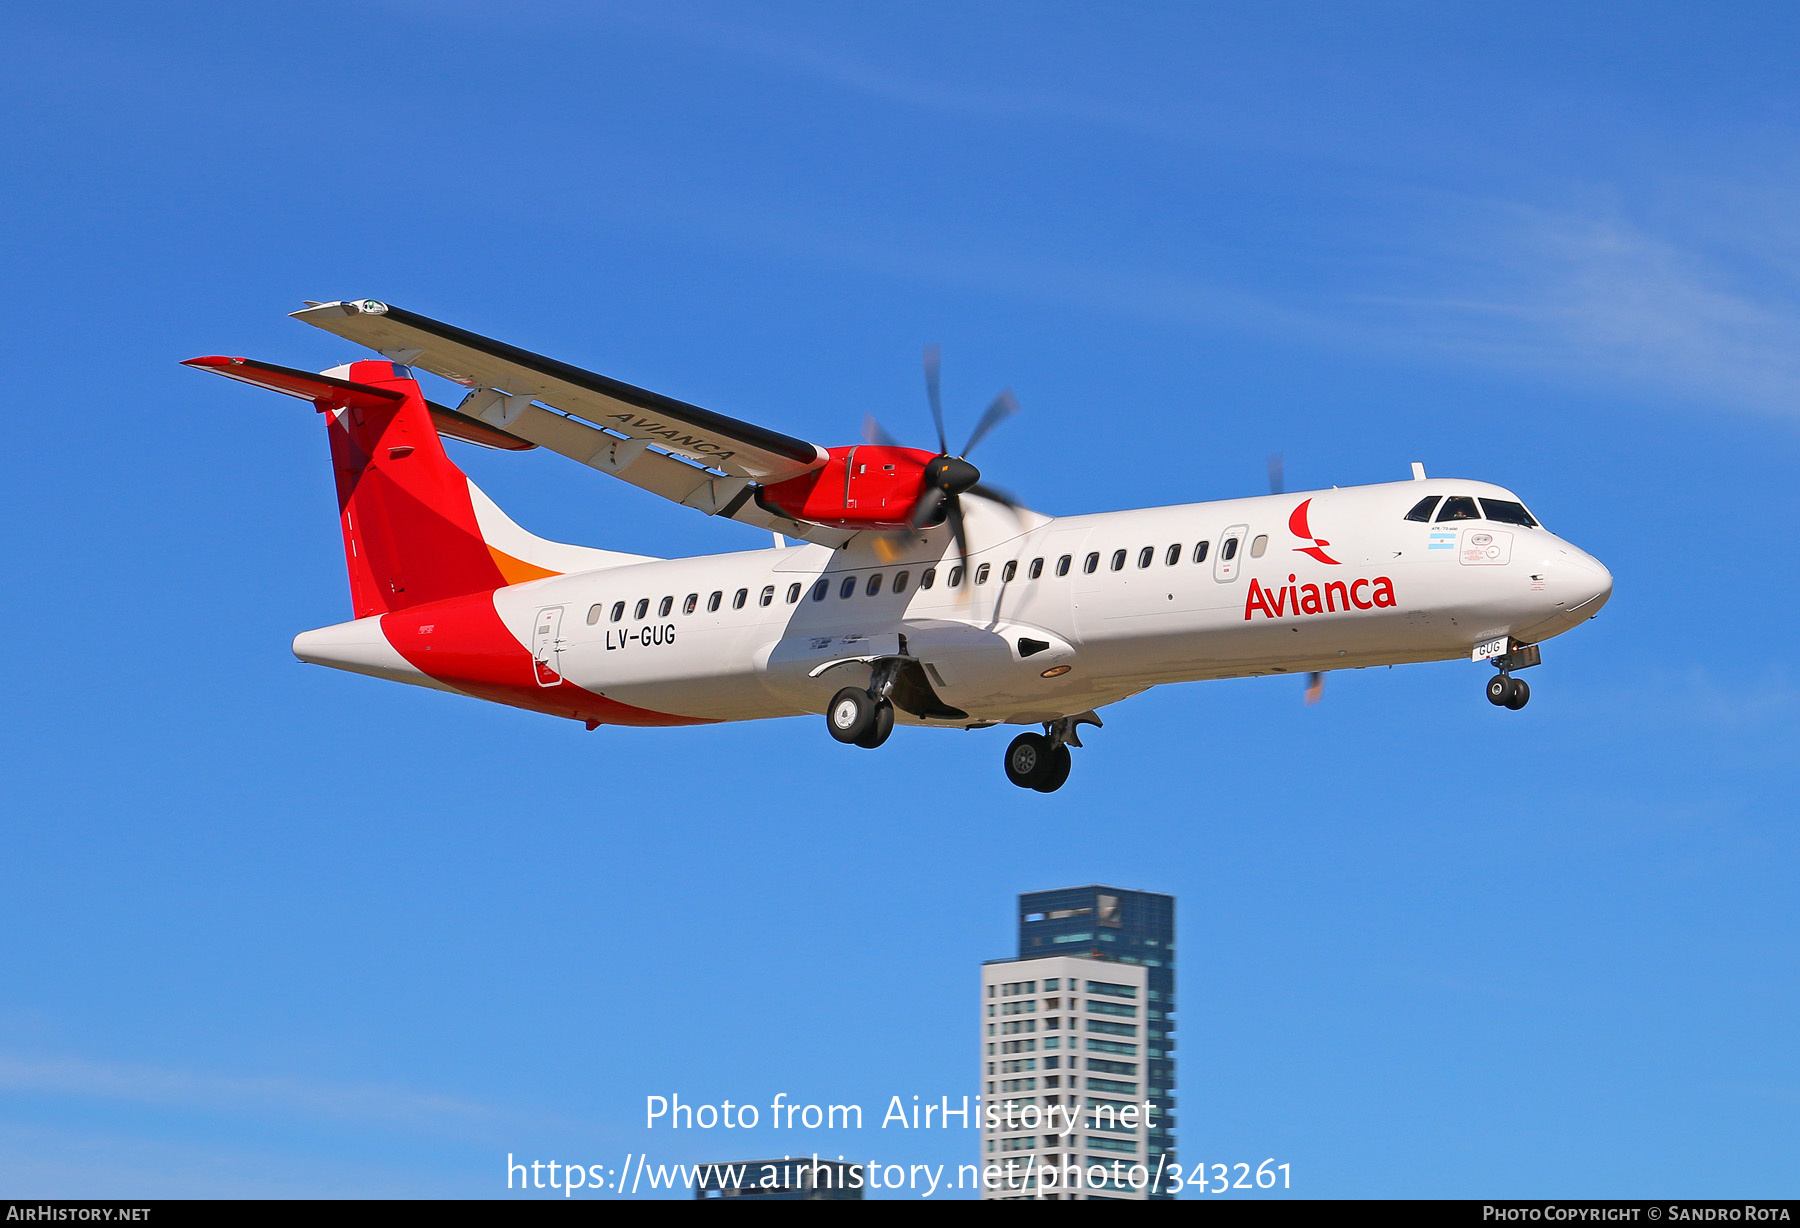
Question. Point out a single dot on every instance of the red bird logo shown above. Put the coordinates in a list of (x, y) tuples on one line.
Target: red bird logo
[(1299, 528)]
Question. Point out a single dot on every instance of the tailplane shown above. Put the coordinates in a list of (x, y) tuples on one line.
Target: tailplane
[(416, 529)]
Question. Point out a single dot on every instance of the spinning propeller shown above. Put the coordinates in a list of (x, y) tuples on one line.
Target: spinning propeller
[(949, 477)]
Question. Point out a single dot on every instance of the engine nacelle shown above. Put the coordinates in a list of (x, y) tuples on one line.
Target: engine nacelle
[(863, 487)]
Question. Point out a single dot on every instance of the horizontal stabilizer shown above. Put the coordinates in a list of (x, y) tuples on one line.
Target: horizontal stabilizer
[(330, 392)]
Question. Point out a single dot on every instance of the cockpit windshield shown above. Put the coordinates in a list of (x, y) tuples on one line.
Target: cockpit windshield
[(1422, 509), (1465, 507), (1505, 511)]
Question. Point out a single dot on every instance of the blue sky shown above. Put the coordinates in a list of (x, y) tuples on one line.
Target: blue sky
[(275, 930)]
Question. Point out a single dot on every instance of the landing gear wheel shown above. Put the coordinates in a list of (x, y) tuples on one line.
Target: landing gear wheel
[(1060, 762), (879, 727), (1521, 695), (851, 714), (1500, 690), (1030, 760)]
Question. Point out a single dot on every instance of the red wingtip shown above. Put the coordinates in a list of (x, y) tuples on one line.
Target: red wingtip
[(212, 360)]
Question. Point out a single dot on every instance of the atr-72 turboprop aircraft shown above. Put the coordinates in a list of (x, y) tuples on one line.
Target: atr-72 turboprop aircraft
[(917, 595)]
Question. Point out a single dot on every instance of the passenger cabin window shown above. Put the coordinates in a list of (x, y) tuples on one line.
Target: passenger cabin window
[(1035, 570), (1146, 556), (1118, 560), (1091, 564), (1010, 570), (1229, 550), (1062, 565), (1174, 555), (874, 585), (1260, 546), (594, 612), (1200, 551), (1458, 507), (618, 610), (712, 602), (929, 578), (664, 606), (820, 589), (793, 593), (956, 577), (900, 579), (1505, 511), (768, 595), (643, 607), (847, 588), (1422, 509), (743, 595), (693, 600), (981, 573)]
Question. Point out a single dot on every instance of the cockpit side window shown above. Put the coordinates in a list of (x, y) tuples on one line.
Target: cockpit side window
[(1458, 507), (1422, 509), (1505, 511)]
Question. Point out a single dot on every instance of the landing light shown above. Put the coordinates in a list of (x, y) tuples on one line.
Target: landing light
[(1056, 671)]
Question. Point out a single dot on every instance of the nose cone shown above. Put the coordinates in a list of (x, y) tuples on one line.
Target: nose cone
[(1588, 582)]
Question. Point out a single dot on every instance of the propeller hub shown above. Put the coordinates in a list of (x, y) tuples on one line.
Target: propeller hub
[(951, 474)]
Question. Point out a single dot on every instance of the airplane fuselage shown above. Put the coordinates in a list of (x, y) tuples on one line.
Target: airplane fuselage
[(1056, 616)]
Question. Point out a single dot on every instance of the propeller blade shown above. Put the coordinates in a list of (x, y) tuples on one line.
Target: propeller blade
[(1315, 687), (926, 509), (955, 521), (932, 357), (1277, 478), (872, 433), (994, 494), (1003, 407), (887, 548)]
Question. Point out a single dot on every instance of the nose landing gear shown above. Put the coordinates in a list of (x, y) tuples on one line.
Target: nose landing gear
[(1042, 761), (1505, 691)]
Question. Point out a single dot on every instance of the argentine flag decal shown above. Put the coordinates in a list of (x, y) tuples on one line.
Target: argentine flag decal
[(1442, 539)]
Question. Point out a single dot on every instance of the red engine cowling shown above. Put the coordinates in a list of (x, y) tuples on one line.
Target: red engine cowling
[(864, 487)]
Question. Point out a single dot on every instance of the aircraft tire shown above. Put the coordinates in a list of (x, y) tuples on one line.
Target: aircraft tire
[(1060, 763), (1521, 695), (879, 728), (1029, 760), (1499, 690), (850, 714)]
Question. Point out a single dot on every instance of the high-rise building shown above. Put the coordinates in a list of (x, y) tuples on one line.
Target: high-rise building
[(1077, 1048)]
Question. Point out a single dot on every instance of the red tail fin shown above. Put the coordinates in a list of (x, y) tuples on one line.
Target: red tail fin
[(410, 532), (410, 529)]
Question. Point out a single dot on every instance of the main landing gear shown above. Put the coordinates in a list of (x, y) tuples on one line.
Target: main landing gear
[(856, 717), (1041, 761)]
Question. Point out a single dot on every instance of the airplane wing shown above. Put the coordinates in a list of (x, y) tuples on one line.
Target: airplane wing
[(682, 452)]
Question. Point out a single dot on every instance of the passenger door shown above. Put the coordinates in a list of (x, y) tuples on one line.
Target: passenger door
[(547, 645)]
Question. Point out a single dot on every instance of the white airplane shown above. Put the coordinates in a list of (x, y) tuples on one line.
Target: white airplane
[(916, 596)]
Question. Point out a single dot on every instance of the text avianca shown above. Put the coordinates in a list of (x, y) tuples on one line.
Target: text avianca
[(1307, 599)]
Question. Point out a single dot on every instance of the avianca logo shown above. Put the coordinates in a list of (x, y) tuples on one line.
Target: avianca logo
[(1289, 601), (1299, 528)]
